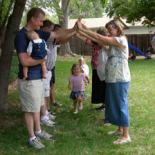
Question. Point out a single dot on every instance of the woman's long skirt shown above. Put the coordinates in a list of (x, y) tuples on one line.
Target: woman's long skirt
[(117, 103)]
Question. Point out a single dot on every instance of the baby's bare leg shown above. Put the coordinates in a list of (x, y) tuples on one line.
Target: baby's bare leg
[(25, 71), (43, 65)]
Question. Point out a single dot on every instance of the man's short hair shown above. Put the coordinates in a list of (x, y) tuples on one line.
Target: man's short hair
[(47, 23), (34, 12)]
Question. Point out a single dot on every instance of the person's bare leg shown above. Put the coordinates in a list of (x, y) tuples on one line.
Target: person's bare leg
[(43, 110), (25, 73), (80, 103), (47, 103), (75, 102), (52, 93), (43, 65), (36, 117), (120, 129), (29, 123), (125, 132)]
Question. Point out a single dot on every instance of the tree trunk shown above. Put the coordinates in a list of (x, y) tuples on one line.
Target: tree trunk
[(65, 48), (7, 51), (2, 34)]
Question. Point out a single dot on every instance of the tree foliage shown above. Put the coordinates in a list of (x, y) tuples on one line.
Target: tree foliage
[(86, 8), (5, 10), (136, 10)]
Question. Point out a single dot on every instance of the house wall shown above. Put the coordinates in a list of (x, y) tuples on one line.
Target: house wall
[(139, 30), (142, 41)]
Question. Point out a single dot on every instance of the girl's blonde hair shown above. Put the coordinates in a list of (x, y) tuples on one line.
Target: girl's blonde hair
[(117, 25)]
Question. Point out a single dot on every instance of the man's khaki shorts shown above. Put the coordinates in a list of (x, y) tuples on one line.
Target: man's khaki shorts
[(31, 94)]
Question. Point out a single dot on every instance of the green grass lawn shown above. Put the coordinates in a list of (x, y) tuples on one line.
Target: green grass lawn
[(84, 133)]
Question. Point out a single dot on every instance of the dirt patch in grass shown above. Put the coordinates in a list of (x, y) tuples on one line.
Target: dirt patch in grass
[(13, 85), (8, 122)]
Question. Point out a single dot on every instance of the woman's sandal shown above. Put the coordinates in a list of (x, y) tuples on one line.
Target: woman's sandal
[(115, 133), (122, 141)]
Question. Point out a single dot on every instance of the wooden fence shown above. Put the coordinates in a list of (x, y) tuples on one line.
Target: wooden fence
[(141, 41)]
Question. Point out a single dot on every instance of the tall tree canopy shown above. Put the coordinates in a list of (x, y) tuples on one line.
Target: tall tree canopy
[(5, 11), (137, 10), (86, 8)]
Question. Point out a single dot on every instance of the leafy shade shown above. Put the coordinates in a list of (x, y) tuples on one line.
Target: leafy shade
[(87, 8), (136, 10), (5, 10)]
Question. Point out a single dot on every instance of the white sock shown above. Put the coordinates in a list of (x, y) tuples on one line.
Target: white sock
[(44, 118), (37, 132), (32, 138), (46, 113)]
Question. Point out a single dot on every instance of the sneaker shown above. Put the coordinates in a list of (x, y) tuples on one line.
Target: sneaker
[(56, 104), (51, 112), (106, 122), (100, 108), (48, 123), (36, 143), (76, 111), (51, 117), (44, 135)]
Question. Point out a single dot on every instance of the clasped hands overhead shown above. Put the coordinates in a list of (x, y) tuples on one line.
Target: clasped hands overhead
[(79, 25)]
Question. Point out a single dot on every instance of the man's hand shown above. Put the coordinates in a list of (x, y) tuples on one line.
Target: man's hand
[(79, 24), (76, 27)]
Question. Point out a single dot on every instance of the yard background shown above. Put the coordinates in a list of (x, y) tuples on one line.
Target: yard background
[(84, 133)]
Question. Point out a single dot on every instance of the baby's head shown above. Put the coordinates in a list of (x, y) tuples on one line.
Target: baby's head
[(76, 69), (32, 35)]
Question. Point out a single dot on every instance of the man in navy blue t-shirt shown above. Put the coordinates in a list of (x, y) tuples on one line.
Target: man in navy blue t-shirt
[(31, 90)]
